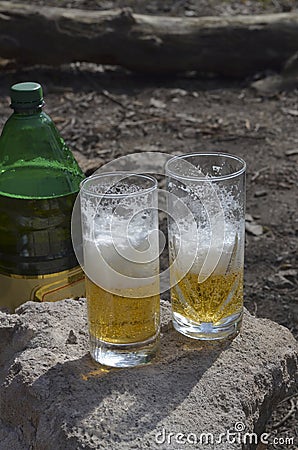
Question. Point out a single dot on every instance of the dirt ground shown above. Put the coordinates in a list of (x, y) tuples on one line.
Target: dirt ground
[(105, 112)]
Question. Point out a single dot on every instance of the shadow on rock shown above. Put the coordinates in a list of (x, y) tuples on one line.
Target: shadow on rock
[(121, 404)]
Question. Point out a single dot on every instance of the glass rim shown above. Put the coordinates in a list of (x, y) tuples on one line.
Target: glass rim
[(143, 191), (206, 178)]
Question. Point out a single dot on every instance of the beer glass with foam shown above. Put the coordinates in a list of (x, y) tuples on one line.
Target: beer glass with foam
[(119, 215), (206, 244)]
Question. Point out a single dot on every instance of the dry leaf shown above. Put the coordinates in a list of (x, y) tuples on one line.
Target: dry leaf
[(157, 103), (254, 228), (291, 152), (290, 112)]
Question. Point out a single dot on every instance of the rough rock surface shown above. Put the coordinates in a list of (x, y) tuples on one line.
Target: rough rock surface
[(52, 396)]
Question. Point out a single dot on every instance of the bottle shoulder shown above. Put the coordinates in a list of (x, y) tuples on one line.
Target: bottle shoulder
[(35, 160), (20, 119)]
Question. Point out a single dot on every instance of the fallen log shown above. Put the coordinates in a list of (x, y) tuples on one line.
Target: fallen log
[(231, 46)]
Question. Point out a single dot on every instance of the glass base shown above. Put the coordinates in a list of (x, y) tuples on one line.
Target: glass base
[(123, 355), (227, 328)]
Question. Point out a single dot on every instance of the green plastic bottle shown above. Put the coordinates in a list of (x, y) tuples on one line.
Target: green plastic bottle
[(39, 181)]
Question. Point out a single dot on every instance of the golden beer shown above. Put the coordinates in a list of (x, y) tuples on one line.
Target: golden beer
[(126, 317), (206, 227), (218, 297)]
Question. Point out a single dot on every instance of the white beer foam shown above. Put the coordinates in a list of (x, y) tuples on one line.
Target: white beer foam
[(194, 253), (119, 253), (112, 263)]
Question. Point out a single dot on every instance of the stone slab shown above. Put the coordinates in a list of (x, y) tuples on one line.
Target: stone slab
[(53, 396)]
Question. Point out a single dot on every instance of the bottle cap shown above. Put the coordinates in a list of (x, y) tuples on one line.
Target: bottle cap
[(26, 95)]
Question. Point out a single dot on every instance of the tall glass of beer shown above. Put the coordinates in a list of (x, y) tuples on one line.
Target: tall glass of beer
[(119, 215), (206, 243)]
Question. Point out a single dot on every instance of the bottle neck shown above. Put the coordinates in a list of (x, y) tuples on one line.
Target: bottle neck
[(27, 112)]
